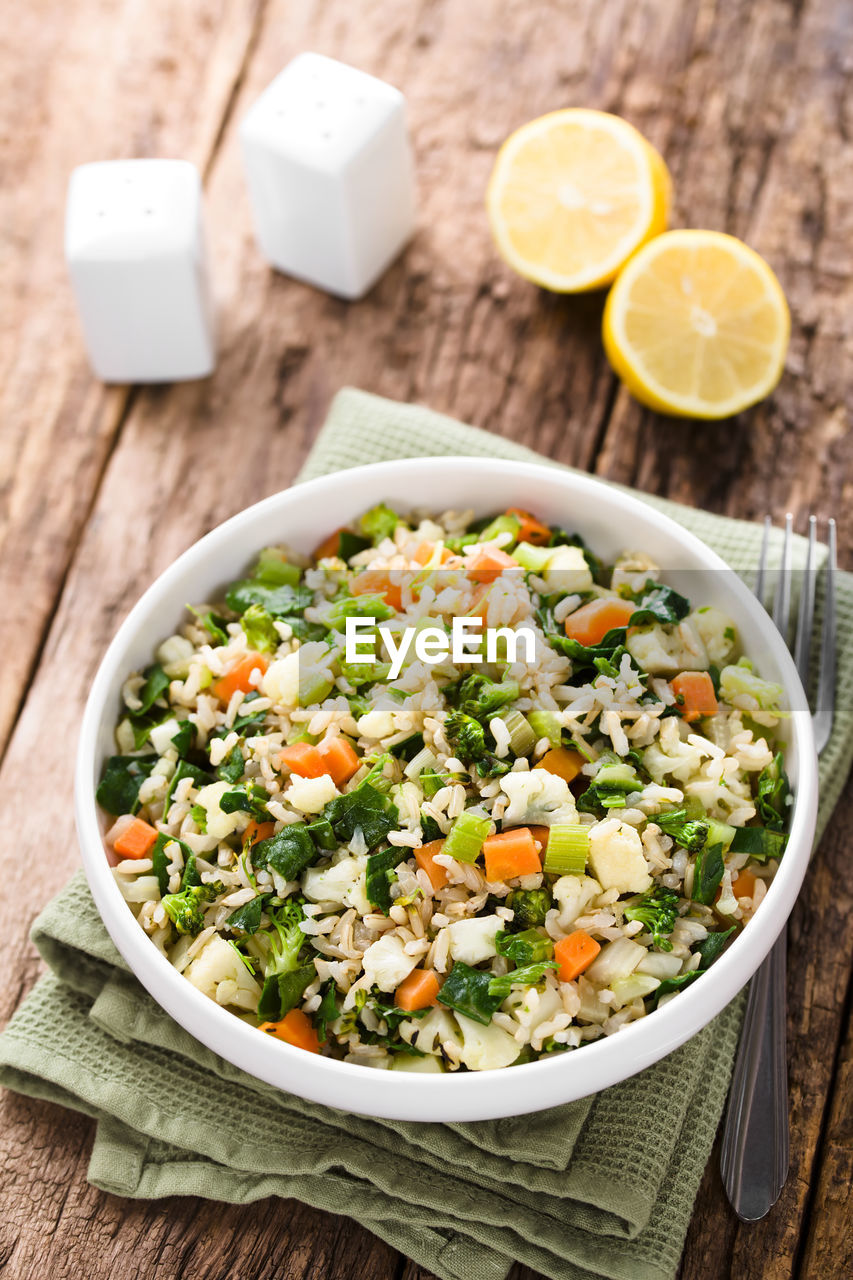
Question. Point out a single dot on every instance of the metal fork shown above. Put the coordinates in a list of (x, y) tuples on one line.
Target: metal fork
[(755, 1150)]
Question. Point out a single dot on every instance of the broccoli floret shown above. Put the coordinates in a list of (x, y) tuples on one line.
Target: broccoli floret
[(466, 735), (186, 909), (530, 907), (657, 910), (285, 938), (259, 628), (378, 523), (691, 834), (480, 697)]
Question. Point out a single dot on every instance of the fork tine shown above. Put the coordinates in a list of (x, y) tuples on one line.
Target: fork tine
[(761, 574), (825, 709), (805, 615), (782, 598)]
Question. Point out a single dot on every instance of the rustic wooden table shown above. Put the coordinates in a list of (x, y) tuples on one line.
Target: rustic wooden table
[(751, 102)]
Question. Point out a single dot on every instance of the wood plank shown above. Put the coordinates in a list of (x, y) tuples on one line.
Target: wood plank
[(448, 326), (84, 81), (828, 1247)]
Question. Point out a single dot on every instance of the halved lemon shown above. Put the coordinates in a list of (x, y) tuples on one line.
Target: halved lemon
[(573, 195), (697, 325)]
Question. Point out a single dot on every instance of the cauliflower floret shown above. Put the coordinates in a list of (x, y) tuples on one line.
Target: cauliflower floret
[(429, 1034), (219, 824), (486, 1048), (343, 884), (633, 570), (162, 734), (310, 795), (716, 631), (386, 964), (539, 797), (574, 894), (218, 972), (616, 857), (376, 724), (474, 940), (280, 681), (567, 571), (662, 652)]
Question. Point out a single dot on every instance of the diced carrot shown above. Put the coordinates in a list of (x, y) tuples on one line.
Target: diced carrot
[(744, 885), (239, 676), (329, 546), (295, 1028), (540, 835), (302, 758), (136, 839), (340, 759), (257, 831), (490, 564), (510, 854), (694, 691), (377, 582), (591, 622), (574, 954), (562, 761), (424, 858), (531, 530), (417, 991), (425, 550)]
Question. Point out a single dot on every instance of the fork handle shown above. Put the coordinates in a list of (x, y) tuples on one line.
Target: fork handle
[(755, 1152)]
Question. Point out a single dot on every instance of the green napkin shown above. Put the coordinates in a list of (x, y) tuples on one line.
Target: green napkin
[(599, 1187)]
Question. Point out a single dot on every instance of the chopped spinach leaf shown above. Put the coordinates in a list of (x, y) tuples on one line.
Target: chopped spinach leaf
[(118, 790), (467, 990), (708, 873), (288, 852)]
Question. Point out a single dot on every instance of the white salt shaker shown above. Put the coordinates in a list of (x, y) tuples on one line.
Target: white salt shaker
[(330, 174), (134, 245)]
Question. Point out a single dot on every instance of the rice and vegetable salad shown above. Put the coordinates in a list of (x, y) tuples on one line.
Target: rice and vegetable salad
[(454, 865)]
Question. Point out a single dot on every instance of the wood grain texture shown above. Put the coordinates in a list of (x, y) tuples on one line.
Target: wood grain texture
[(750, 102)]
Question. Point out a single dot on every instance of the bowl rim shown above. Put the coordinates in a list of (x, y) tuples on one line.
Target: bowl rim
[(452, 1096)]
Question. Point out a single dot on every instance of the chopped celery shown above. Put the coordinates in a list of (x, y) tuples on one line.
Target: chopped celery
[(522, 739), (533, 558), (273, 569), (568, 846), (720, 833), (467, 835), (545, 725), (314, 686), (501, 524), (425, 759)]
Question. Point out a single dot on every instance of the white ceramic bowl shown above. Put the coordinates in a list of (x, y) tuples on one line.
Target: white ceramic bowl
[(610, 521)]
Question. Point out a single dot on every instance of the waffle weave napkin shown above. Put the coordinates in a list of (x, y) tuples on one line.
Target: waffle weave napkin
[(600, 1187)]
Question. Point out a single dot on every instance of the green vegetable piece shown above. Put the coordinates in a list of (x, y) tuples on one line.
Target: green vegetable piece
[(657, 910), (465, 841), (186, 909), (532, 558), (200, 778), (608, 789), (248, 917), (327, 1010), (567, 850), (524, 948), (759, 842), (378, 523), (215, 626), (365, 807), (502, 524), (546, 725), (288, 852), (380, 867), (530, 907), (259, 629), (365, 606), (281, 601), (283, 992), (232, 769), (708, 873), (184, 739), (711, 947), (161, 861), (156, 684), (273, 569), (522, 739), (408, 748), (526, 977), (118, 790), (658, 603), (467, 990), (314, 686), (478, 696), (350, 544), (773, 794), (742, 679), (249, 798), (320, 831)]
